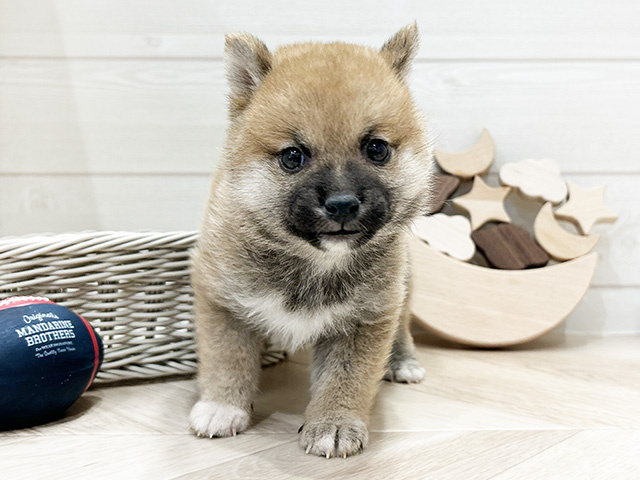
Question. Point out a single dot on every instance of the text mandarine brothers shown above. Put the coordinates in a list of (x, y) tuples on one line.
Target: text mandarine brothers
[(304, 239)]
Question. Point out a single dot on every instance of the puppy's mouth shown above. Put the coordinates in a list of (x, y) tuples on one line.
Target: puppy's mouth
[(342, 234)]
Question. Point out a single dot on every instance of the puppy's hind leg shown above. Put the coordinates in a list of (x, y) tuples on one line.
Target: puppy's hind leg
[(403, 366), (229, 369)]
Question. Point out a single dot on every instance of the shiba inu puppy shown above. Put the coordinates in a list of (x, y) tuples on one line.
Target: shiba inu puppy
[(304, 239)]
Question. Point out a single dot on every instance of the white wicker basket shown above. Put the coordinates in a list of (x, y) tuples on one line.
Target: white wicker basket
[(134, 288)]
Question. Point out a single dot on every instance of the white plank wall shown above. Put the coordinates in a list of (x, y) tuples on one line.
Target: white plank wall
[(112, 113)]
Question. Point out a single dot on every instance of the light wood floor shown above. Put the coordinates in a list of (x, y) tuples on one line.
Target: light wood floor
[(561, 408)]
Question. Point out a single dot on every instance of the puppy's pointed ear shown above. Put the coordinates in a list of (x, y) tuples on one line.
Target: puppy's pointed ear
[(401, 49), (247, 62)]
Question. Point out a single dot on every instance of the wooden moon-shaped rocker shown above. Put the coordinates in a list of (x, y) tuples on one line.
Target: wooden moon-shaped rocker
[(485, 307)]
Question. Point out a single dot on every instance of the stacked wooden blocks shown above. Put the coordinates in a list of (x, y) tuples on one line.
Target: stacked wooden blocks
[(517, 300)]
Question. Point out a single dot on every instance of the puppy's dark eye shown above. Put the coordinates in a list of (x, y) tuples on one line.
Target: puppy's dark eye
[(377, 151), (292, 159)]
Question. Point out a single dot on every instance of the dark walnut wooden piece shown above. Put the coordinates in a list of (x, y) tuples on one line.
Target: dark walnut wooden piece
[(444, 186), (509, 247)]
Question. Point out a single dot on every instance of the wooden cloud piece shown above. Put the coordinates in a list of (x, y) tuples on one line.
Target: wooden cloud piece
[(539, 179), (493, 308), (443, 186), (474, 161), (559, 243), (447, 234), (586, 207), (484, 203), (509, 247)]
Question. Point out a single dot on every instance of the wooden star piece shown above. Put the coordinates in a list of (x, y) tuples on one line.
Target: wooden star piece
[(586, 207), (484, 203)]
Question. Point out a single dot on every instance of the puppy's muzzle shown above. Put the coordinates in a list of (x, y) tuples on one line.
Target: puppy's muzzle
[(342, 208)]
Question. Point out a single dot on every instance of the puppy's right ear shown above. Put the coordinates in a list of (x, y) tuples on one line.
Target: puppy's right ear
[(247, 61)]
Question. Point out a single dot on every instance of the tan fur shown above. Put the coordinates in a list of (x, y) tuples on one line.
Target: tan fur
[(327, 96)]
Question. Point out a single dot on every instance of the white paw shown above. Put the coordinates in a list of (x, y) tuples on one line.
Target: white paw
[(212, 419), (405, 371)]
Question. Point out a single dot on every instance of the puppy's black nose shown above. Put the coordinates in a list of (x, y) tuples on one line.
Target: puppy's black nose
[(342, 208)]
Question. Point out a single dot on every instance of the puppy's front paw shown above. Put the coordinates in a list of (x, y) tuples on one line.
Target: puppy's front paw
[(212, 419), (407, 370), (334, 438)]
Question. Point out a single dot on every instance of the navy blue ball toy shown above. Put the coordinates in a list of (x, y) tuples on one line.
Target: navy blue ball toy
[(48, 357)]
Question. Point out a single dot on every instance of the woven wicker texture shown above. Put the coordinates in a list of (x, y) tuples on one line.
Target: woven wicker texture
[(133, 287)]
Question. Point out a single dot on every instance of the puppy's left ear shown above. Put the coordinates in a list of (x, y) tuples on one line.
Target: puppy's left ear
[(401, 49), (247, 62)]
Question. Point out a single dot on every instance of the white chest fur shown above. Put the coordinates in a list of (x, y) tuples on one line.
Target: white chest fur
[(290, 330)]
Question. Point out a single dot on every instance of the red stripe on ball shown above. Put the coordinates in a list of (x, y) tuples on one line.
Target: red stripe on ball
[(12, 302), (96, 351)]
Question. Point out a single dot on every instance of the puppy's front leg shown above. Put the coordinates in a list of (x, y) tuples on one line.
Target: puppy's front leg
[(346, 376), (228, 371)]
